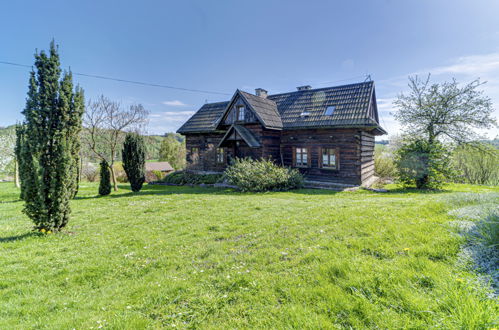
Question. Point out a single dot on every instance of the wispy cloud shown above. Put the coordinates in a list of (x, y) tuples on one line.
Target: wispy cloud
[(475, 65), (175, 103), (169, 116), (168, 121)]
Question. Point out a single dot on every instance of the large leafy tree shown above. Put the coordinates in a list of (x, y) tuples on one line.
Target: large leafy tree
[(444, 111), (48, 143), (431, 115), (134, 160)]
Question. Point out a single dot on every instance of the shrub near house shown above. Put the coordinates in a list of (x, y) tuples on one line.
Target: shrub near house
[(262, 175)]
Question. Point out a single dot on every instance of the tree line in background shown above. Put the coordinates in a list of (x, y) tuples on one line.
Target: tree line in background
[(169, 147)]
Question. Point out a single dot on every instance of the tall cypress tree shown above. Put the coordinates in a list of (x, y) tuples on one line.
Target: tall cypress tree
[(134, 159), (47, 140), (73, 105)]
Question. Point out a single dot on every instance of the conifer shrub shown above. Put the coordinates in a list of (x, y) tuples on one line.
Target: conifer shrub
[(262, 175), (48, 143), (105, 179), (134, 160)]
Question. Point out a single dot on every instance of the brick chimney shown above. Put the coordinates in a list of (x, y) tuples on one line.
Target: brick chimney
[(261, 92), (304, 88)]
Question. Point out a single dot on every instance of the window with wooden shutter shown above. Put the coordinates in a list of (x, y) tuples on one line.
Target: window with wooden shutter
[(329, 158)]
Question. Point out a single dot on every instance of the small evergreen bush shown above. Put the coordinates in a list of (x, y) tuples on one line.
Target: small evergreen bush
[(105, 179), (134, 160), (262, 175)]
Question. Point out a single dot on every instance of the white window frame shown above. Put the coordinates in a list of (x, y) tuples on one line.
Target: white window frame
[(301, 157), (240, 112), (328, 155)]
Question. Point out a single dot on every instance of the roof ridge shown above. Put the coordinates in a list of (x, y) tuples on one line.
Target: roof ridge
[(293, 92), (264, 99), (216, 102), (322, 88)]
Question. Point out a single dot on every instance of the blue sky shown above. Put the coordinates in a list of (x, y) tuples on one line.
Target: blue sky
[(224, 45)]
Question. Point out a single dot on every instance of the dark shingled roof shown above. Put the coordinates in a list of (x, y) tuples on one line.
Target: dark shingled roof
[(205, 119), (300, 109), (265, 109)]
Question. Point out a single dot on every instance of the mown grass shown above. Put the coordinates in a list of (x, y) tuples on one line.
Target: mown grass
[(212, 258)]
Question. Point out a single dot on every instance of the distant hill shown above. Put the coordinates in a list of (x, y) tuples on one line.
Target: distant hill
[(494, 142), (153, 143)]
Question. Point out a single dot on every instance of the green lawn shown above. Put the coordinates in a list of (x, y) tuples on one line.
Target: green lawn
[(211, 258)]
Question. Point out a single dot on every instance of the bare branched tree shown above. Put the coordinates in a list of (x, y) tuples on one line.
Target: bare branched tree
[(106, 123), (446, 111)]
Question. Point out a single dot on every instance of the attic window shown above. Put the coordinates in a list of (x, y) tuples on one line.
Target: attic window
[(240, 113), (329, 110)]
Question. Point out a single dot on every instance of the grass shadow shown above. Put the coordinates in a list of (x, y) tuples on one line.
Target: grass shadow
[(17, 237), (308, 191), (409, 190), (125, 191), (163, 190), (12, 201)]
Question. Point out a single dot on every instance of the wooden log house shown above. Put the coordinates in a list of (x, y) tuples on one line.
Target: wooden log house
[(327, 133)]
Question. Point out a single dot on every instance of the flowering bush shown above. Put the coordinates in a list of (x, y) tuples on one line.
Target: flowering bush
[(262, 175)]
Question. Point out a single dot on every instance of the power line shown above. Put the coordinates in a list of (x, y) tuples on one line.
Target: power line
[(127, 81)]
